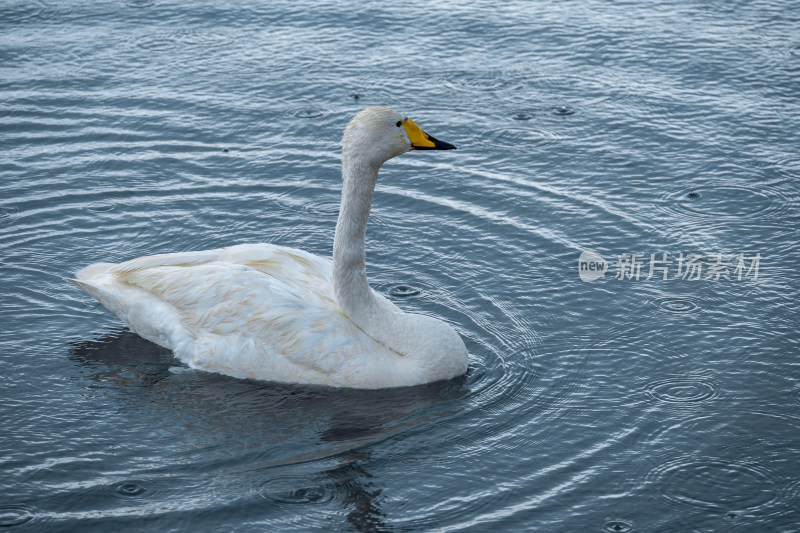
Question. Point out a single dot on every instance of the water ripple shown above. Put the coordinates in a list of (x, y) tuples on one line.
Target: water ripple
[(495, 82), (16, 515), (504, 139), (323, 208), (403, 291), (130, 488), (714, 484), (393, 283), (178, 38), (619, 337), (742, 470), (635, 127), (309, 113), (101, 207), (296, 490), (138, 4), (618, 526), (134, 489), (676, 304), (682, 390), (563, 111), (582, 91), (715, 201), (7, 215)]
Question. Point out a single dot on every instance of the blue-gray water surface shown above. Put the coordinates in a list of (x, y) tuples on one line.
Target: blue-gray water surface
[(660, 136)]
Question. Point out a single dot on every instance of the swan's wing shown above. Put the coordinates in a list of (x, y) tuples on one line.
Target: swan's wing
[(291, 266), (256, 311)]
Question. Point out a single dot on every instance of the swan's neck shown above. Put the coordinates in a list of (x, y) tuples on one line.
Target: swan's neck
[(349, 267), (429, 348)]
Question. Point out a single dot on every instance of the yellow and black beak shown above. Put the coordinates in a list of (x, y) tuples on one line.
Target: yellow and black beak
[(421, 140)]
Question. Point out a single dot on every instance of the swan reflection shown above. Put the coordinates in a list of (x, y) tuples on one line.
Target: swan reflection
[(289, 445)]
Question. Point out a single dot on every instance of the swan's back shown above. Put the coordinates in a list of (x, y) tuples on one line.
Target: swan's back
[(254, 311)]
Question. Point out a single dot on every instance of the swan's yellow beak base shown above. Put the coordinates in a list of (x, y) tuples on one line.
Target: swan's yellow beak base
[(421, 140)]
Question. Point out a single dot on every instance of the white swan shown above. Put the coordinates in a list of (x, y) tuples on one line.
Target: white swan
[(274, 313)]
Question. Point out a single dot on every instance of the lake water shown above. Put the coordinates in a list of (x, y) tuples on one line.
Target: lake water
[(621, 128)]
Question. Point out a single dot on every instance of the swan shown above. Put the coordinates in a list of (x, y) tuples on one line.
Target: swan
[(276, 313)]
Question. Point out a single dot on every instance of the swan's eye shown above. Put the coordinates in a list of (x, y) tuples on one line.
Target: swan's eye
[(399, 123)]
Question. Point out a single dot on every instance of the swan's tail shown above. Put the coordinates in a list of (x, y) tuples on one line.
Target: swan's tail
[(84, 279), (135, 306)]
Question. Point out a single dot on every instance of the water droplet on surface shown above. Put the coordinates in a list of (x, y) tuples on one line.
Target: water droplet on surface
[(563, 111), (308, 113), (726, 200), (677, 305), (617, 526), (295, 490), (130, 488), (521, 116), (403, 291)]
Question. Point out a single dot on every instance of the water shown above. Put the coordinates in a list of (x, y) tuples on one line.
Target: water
[(142, 126)]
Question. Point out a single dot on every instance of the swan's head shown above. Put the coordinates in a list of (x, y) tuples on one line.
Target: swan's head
[(377, 134)]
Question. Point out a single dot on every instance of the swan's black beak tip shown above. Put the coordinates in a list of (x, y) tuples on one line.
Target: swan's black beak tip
[(437, 144), (421, 140)]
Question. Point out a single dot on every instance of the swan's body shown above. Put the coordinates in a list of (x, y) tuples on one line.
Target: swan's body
[(280, 314)]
